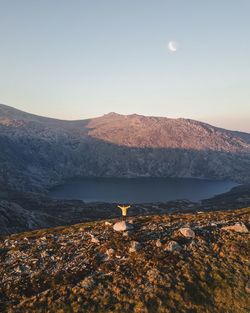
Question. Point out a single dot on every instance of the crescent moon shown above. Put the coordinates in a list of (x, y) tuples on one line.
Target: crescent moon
[(173, 46)]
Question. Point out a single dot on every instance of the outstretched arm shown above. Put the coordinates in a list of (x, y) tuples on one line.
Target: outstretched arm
[(124, 207)]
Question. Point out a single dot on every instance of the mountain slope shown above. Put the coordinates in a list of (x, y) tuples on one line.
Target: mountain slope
[(159, 132), (38, 152), (155, 267)]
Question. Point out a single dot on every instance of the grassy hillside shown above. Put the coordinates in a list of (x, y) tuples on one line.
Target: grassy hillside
[(152, 268)]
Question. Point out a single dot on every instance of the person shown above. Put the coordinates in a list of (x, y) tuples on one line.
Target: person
[(124, 211)]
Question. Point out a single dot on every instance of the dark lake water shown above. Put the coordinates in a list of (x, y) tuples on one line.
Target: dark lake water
[(139, 190)]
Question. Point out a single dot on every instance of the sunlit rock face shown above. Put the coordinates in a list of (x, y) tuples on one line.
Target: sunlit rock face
[(38, 152)]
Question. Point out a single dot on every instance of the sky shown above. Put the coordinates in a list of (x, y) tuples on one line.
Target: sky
[(84, 58)]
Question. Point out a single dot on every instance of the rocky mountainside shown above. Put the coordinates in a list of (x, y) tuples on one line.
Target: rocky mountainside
[(38, 152), (175, 263), (160, 132)]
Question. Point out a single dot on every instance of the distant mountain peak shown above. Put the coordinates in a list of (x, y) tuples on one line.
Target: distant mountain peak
[(112, 114)]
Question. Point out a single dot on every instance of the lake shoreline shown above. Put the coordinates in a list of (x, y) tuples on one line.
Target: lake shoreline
[(138, 189), (29, 211)]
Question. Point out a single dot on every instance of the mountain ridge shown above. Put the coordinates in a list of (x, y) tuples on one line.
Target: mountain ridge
[(7, 108), (39, 152)]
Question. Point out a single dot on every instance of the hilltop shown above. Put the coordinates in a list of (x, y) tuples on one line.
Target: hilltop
[(38, 153), (171, 263)]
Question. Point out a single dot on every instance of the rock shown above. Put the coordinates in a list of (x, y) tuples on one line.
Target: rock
[(108, 254), (122, 226), (94, 239), (44, 254), (172, 246), (108, 223), (187, 232), (110, 251), (238, 227), (135, 246), (158, 243)]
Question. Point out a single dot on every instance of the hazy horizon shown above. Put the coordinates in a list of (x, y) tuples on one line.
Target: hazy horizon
[(84, 59), (217, 124)]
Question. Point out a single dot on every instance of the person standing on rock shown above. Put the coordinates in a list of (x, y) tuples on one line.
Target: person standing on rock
[(124, 211)]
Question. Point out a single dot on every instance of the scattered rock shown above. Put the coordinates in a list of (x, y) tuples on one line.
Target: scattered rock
[(94, 239), (158, 243), (108, 223), (172, 246), (44, 254), (108, 254), (134, 247), (125, 234), (122, 226), (131, 265), (187, 232), (238, 227)]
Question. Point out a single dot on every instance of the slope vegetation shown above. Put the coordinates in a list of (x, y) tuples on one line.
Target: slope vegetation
[(178, 263)]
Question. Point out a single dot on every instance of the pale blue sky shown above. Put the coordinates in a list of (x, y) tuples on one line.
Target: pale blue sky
[(75, 59)]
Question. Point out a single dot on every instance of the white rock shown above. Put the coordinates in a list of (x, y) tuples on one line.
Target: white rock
[(238, 227), (122, 226), (108, 223), (187, 232)]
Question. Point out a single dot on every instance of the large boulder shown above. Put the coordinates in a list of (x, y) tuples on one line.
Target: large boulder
[(122, 226), (187, 232), (238, 227)]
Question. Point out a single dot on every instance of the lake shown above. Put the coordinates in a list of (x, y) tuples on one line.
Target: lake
[(139, 190)]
